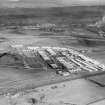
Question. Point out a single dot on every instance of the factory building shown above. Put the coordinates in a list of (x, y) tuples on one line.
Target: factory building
[(66, 63), (43, 55), (51, 52), (80, 64), (47, 59)]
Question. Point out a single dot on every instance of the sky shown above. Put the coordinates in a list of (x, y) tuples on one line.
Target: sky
[(48, 3)]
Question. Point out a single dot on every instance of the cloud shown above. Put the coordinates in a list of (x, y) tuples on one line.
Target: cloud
[(29, 3), (48, 3), (82, 2), (13, 0)]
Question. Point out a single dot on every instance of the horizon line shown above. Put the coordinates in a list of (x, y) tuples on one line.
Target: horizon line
[(55, 6)]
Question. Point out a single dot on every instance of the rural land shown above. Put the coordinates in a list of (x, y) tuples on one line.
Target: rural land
[(52, 56)]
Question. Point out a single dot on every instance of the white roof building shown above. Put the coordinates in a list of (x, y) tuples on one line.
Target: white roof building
[(43, 55), (51, 51)]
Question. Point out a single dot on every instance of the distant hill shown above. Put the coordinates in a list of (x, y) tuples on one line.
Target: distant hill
[(11, 15), (57, 11)]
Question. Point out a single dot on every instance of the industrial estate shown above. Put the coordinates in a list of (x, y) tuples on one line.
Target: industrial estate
[(63, 61)]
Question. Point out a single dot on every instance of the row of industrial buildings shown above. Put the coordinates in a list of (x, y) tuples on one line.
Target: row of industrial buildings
[(63, 61), (47, 27)]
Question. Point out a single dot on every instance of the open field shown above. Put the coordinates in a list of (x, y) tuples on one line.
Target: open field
[(77, 92)]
